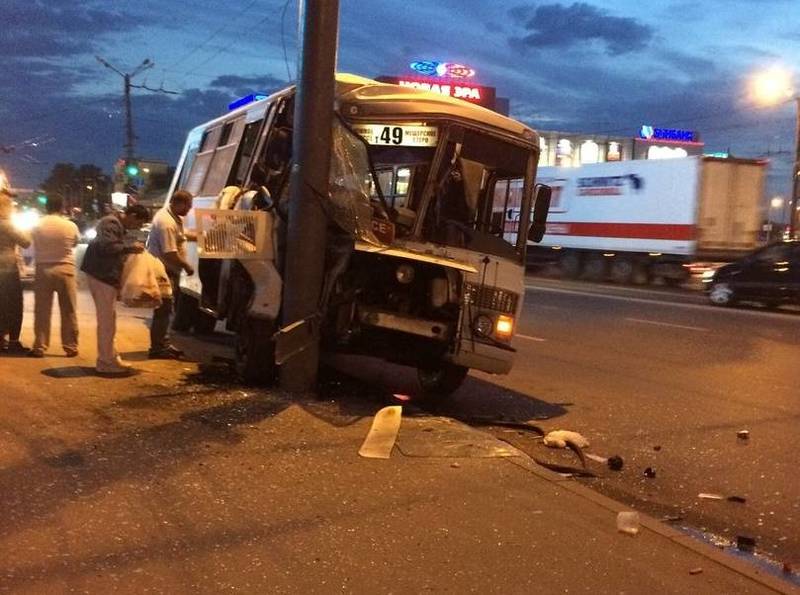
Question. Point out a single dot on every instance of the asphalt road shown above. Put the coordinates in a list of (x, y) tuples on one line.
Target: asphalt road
[(664, 381)]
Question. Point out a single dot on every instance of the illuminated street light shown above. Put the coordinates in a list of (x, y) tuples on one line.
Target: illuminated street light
[(772, 87), (776, 202)]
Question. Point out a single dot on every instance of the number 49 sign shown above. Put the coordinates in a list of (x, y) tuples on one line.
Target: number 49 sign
[(398, 135)]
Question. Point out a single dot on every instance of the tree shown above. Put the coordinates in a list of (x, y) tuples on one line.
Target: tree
[(85, 187)]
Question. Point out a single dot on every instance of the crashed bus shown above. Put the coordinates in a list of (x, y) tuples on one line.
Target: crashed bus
[(425, 258)]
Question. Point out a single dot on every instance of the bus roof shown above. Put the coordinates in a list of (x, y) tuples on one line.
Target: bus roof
[(376, 99), (373, 99)]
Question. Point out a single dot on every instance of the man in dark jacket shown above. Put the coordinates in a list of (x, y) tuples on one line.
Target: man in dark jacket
[(102, 263)]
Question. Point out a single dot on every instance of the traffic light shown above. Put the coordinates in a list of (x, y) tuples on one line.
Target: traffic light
[(132, 169)]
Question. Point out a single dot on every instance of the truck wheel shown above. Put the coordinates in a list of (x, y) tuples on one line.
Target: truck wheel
[(622, 270), (571, 264), (255, 351), (596, 268), (721, 294), (186, 309), (440, 381), (204, 323)]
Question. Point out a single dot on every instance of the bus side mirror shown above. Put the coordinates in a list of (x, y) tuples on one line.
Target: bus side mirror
[(541, 206)]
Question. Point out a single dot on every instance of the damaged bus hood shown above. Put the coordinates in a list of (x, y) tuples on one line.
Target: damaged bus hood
[(422, 253)]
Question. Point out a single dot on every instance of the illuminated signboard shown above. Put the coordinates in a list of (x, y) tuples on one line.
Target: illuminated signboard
[(478, 94), (442, 69), (667, 134)]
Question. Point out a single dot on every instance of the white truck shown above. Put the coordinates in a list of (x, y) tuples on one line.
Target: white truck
[(640, 220)]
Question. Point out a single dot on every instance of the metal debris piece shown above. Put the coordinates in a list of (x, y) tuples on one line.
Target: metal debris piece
[(745, 543), (706, 496), (696, 571), (657, 447), (743, 434), (597, 458), (381, 437), (672, 518), (615, 463), (650, 472), (564, 469), (739, 499)]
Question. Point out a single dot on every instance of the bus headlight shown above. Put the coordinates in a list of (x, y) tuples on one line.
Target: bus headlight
[(482, 325), (404, 274)]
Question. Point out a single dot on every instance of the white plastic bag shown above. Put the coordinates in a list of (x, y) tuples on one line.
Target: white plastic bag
[(140, 285)]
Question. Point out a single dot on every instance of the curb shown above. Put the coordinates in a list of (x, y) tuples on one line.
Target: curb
[(707, 551)]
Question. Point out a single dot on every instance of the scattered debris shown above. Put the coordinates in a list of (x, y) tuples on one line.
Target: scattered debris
[(561, 438), (745, 543), (696, 571), (628, 522), (672, 518), (564, 469), (743, 434), (597, 458), (650, 472), (381, 437), (615, 463), (705, 496), (739, 499), (455, 465), (657, 448)]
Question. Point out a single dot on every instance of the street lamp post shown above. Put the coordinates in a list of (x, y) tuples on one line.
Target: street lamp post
[(772, 87), (795, 172)]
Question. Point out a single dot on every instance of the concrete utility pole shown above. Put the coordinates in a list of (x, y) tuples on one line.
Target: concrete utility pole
[(130, 137), (306, 236)]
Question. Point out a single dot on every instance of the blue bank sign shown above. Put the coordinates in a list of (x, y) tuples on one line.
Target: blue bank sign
[(667, 134)]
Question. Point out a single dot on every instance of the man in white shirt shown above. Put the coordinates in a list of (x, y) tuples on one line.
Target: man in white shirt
[(167, 241), (54, 241)]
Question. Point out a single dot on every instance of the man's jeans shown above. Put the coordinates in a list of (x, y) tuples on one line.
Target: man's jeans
[(159, 326)]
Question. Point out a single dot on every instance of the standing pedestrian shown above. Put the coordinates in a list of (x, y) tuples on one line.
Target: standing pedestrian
[(54, 241), (103, 262), (167, 241), (10, 282)]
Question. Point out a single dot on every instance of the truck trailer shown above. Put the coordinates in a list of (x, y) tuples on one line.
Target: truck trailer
[(640, 220)]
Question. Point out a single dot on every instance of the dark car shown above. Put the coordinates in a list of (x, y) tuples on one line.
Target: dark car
[(770, 276)]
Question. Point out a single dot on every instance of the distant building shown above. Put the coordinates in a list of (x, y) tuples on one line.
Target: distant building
[(571, 149)]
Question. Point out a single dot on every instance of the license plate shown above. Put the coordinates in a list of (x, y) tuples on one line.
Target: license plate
[(397, 135)]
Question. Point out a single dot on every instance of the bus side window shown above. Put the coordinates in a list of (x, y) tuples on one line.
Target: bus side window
[(220, 167), (245, 155)]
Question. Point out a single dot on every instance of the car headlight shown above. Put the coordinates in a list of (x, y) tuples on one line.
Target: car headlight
[(708, 275)]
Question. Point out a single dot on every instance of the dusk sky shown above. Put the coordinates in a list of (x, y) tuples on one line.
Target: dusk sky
[(595, 67)]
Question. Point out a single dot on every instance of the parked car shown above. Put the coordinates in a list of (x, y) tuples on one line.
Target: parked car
[(769, 276)]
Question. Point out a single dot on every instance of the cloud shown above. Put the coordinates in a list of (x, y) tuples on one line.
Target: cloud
[(39, 29), (243, 85), (562, 26)]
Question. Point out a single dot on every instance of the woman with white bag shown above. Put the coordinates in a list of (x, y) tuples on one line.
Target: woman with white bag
[(104, 263)]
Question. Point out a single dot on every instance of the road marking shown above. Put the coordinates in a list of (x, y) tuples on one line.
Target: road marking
[(529, 338), (659, 323), (788, 316)]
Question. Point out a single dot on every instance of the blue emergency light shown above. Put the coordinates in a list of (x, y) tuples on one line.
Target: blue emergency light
[(247, 99)]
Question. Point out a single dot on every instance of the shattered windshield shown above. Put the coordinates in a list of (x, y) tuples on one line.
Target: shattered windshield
[(479, 193)]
